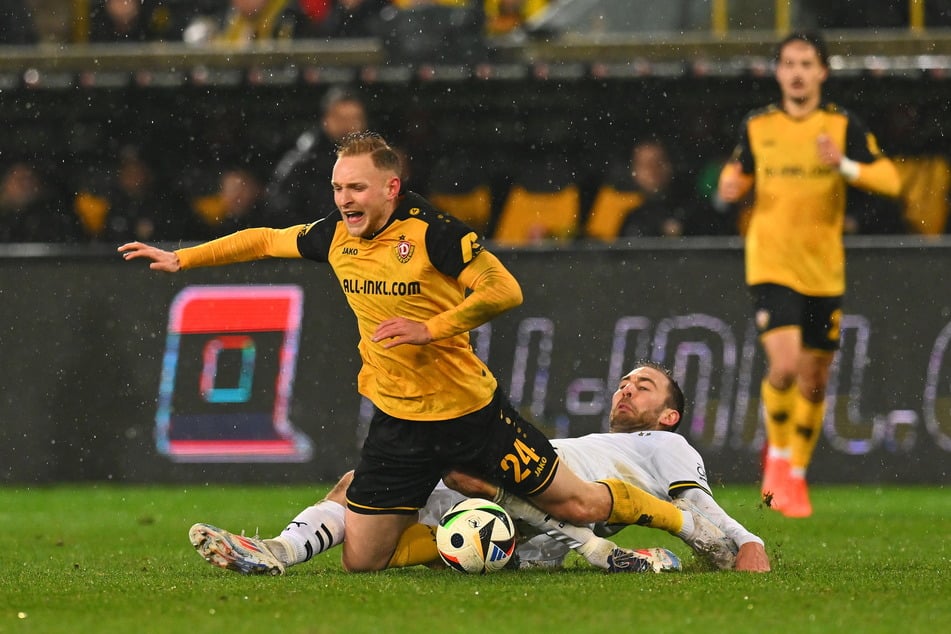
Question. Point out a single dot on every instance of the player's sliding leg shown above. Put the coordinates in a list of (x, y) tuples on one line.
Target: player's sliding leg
[(247, 555), (627, 505), (417, 546), (631, 505), (313, 531), (598, 551)]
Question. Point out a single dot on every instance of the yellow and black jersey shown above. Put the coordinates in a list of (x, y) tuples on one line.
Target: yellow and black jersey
[(795, 232), (408, 269), (423, 265)]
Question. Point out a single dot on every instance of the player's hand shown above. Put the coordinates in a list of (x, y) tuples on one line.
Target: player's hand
[(829, 153), (733, 183), (399, 330), (752, 558), (161, 260)]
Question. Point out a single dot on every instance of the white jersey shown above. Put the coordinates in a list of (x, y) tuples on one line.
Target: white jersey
[(659, 462), (662, 463)]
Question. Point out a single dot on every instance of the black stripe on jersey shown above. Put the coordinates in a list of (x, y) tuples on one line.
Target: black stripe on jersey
[(314, 241), (676, 489), (444, 233)]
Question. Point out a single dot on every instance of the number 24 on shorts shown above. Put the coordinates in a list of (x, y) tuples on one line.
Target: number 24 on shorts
[(520, 462)]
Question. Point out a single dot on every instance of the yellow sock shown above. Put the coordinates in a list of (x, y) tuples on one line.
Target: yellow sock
[(636, 506), (807, 422), (417, 546), (778, 409)]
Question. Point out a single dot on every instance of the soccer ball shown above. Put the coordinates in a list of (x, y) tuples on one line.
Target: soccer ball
[(476, 536)]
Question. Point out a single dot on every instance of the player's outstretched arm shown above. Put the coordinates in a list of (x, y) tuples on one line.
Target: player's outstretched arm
[(751, 554), (160, 260)]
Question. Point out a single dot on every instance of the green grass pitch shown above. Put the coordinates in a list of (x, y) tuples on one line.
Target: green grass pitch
[(108, 558)]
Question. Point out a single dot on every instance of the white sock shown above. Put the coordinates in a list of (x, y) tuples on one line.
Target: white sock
[(775, 452), (688, 526), (797, 472), (315, 529)]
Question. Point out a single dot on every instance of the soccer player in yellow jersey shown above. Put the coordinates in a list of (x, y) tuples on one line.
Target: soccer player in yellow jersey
[(800, 154), (418, 281)]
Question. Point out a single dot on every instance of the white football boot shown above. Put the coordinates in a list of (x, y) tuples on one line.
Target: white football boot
[(247, 555), (643, 560)]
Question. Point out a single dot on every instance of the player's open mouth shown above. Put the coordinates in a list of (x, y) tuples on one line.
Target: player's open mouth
[(353, 217)]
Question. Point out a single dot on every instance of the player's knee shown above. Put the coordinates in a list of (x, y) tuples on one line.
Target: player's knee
[(782, 374), (353, 561)]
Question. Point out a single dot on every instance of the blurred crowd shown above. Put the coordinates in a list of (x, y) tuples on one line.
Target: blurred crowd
[(237, 22), (647, 190)]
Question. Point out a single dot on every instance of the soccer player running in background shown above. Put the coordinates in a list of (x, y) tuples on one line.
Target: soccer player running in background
[(417, 281), (800, 154), (643, 447)]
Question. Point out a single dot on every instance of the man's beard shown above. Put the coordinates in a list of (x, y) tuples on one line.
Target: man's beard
[(637, 421)]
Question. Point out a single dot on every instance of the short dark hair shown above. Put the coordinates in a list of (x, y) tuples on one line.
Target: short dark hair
[(339, 94), (812, 38)]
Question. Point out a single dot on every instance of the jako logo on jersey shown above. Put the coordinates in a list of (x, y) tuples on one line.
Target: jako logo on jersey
[(350, 251), (404, 250)]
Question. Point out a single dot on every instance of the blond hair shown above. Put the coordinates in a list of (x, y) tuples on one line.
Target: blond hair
[(359, 143)]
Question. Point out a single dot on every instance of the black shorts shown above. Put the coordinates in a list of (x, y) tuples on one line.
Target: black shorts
[(402, 460), (819, 318)]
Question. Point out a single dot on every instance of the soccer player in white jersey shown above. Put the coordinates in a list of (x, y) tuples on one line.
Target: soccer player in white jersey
[(641, 449)]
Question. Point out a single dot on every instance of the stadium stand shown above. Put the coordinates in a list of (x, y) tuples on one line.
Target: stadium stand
[(543, 204)]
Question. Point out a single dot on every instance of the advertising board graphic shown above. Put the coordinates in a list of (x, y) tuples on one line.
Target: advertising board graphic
[(227, 375)]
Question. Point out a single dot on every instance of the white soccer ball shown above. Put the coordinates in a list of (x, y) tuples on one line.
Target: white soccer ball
[(476, 536)]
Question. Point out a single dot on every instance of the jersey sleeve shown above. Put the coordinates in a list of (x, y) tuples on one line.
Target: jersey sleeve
[(451, 244), (679, 466), (742, 152), (313, 240), (860, 144), (877, 173), (715, 513), (242, 246)]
